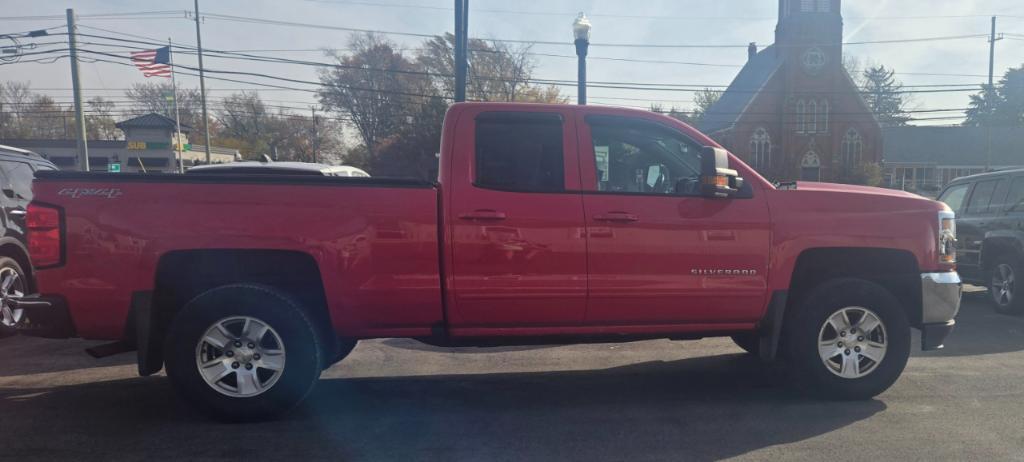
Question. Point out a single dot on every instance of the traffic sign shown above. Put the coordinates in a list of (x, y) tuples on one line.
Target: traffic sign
[(114, 167)]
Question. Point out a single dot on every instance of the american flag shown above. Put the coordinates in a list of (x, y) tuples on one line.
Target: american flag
[(153, 63)]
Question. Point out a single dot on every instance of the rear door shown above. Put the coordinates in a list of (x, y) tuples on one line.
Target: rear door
[(515, 220), (978, 218)]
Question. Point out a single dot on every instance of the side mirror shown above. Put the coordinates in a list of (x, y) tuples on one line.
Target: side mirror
[(717, 179)]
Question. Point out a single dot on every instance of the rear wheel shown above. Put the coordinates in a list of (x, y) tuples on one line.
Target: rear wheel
[(849, 339), (243, 352), (1003, 287)]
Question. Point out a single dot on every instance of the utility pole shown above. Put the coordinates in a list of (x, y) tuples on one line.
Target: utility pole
[(989, 92), (202, 85), (316, 137), (461, 43), (82, 144)]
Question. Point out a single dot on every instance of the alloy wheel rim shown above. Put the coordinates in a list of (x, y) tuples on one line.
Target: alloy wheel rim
[(1003, 284), (852, 342), (240, 356), (11, 285)]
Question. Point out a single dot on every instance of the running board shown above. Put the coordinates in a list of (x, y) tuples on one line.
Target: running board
[(109, 349)]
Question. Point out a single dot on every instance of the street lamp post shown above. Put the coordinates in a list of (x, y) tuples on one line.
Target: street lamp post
[(581, 30)]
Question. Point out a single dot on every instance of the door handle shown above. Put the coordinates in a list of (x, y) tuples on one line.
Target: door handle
[(617, 217), (18, 212), (483, 215)]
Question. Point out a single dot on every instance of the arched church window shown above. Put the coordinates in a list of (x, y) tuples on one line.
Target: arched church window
[(824, 6), (812, 116), (761, 149), (801, 116), (853, 148)]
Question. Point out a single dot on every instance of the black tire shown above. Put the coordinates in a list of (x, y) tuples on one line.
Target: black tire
[(8, 264), (301, 343), (805, 326), (749, 342), (1011, 301)]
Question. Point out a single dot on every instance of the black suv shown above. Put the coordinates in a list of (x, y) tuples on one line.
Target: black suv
[(990, 233), (17, 169)]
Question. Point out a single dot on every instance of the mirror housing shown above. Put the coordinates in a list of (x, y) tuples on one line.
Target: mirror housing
[(717, 180)]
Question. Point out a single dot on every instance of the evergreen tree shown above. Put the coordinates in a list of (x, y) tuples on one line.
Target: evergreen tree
[(884, 96)]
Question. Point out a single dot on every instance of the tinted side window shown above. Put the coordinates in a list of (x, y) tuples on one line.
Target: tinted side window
[(981, 197), (19, 177), (954, 197), (1016, 196), (645, 159), (520, 154), (998, 203)]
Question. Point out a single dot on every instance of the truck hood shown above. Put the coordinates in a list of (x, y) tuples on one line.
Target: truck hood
[(854, 189)]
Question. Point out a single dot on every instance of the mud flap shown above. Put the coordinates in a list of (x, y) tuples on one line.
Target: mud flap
[(148, 334), (771, 325)]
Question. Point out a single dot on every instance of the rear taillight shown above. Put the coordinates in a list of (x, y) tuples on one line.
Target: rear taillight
[(44, 246)]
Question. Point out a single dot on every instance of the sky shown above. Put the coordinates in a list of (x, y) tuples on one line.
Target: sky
[(639, 22)]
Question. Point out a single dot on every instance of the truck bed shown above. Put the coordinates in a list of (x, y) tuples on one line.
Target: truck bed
[(374, 241)]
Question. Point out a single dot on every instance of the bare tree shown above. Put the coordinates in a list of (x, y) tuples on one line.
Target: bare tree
[(497, 72), (158, 98), (100, 123), (375, 87)]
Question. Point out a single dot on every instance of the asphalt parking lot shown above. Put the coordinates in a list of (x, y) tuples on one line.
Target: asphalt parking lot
[(654, 400)]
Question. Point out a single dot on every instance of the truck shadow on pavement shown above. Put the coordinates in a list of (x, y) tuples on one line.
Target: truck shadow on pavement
[(704, 408), (980, 330)]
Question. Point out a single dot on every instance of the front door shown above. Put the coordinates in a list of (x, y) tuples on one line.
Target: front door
[(518, 249), (659, 253)]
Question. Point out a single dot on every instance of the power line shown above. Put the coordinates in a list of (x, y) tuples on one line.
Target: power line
[(632, 16), (595, 84), (252, 20)]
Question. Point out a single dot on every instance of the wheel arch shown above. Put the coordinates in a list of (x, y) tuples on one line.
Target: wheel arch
[(184, 274), (1000, 243), (896, 270)]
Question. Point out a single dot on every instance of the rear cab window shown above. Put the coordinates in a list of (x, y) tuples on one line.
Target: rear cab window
[(520, 152)]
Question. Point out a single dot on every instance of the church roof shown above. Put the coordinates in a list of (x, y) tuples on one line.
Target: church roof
[(953, 146), (151, 120), (754, 75)]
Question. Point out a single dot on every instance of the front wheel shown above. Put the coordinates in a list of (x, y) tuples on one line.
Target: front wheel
[(849, 339), (243, 352)]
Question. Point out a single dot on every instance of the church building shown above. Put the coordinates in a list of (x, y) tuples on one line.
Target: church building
[(793, 112)]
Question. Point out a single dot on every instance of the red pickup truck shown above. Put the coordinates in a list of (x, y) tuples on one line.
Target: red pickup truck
[(549, 223)]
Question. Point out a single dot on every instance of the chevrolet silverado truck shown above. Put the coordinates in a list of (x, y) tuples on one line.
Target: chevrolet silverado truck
[(548, 224)]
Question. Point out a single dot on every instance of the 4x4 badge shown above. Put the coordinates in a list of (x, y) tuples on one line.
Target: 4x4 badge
[(76, 193)]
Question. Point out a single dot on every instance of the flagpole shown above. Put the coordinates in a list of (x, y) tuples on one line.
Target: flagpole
[(177, 115)]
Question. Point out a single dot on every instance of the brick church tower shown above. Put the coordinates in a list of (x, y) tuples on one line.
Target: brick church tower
[(793, 112)]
